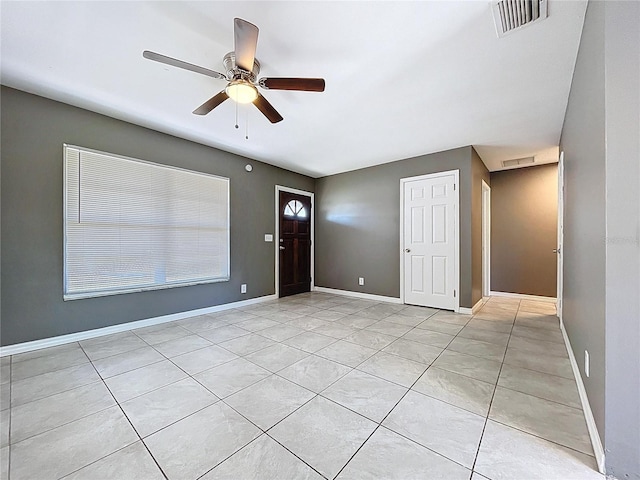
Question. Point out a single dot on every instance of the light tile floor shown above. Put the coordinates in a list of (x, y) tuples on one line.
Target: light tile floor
[(307, 387)]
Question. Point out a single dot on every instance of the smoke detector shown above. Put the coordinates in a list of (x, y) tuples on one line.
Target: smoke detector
[(511, 15), (517, 162)]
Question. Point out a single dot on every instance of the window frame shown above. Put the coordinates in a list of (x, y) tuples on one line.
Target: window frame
[(105, 293), (296, 214)]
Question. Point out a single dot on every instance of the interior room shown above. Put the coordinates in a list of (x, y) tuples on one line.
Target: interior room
[(307, 240)]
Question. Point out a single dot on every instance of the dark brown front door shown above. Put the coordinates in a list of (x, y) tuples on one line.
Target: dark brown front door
[(295, 244)]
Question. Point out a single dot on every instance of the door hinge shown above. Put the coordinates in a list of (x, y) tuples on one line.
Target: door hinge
[(454, 294)]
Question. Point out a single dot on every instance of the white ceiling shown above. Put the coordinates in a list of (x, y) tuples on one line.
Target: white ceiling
[(403, 78)]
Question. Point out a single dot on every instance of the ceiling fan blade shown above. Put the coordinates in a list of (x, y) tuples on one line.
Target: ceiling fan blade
[(303, 84), (267, 109), (157, 57), (245, 36), (212, 103)]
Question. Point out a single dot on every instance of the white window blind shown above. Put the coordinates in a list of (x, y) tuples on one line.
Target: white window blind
[(131, 225)]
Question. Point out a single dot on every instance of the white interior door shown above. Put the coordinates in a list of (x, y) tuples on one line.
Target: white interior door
[(430, 209), (560, 233)]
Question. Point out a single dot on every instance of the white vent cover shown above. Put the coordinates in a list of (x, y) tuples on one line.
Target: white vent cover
[(517, 162), (510, 15)]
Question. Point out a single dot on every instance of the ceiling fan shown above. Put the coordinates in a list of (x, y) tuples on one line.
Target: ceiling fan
[(242, 74)]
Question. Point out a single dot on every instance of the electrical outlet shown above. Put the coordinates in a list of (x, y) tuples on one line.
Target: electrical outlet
[(360, 280), (586, 363), (243, 288)]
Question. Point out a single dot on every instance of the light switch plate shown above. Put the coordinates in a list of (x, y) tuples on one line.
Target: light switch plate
[(243, 288), (268, 237)]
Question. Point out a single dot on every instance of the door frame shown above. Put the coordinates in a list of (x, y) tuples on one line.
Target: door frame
[(276, 240), (560, 241), (486, 239), (456, 255)]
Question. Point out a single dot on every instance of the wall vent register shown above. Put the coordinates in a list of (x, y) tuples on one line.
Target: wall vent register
[(511, 15), (518, 161)]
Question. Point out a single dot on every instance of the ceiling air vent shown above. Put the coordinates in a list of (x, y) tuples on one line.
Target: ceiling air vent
[(510, 15), (517, 162)]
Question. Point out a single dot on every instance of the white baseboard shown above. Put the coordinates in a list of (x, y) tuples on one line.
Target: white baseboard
[(523, 296), (596, 443), (382, 298), (366, 296), (473, 310), (99, 332)]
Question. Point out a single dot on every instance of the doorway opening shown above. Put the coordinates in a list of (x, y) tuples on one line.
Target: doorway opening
[(559, 251), (486, 239), (294, 241)]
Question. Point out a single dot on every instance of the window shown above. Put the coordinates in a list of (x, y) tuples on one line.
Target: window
[(295, 208), (132, 225)]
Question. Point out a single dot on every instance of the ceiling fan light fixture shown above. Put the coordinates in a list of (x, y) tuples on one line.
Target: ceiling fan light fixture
[(241, 91)]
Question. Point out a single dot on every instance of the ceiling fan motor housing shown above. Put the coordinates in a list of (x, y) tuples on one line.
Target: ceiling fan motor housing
[(235, 73)]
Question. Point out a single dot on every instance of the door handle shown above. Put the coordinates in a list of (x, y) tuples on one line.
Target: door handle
[(407, 250), (281, 247), (556, 250)]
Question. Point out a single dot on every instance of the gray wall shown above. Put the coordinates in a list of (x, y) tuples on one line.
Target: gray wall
[(602, 224), (33, 130), (622, 119), (358, 224), (524, 230), (583, 143), (479, 173)]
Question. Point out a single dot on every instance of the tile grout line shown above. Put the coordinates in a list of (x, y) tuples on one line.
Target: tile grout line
[(86, 416), (132, 426), (302, 405), (245, 446), (463, 375), (130, 423), (536, 371), (264, 432), (141, 440), (379, 424), (495, 388), (536, 396), (545, 439), (49, 396), (60, 392), (425, 447), (379, 350), (54, 370)]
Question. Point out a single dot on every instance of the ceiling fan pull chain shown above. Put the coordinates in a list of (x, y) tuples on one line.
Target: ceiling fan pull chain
[(237, 115), (246, 134)]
